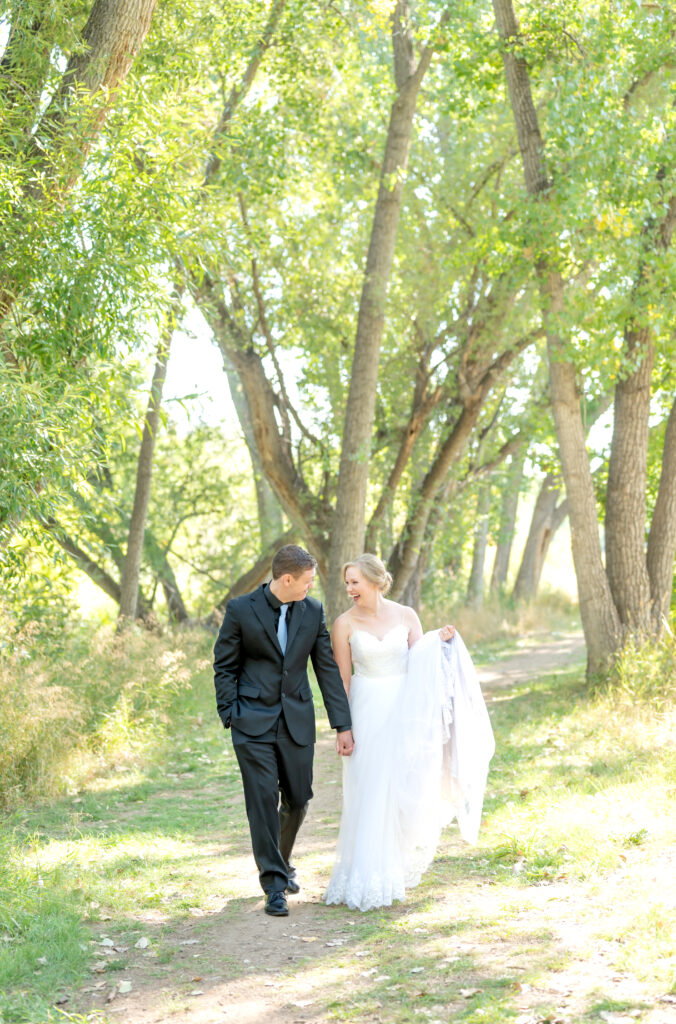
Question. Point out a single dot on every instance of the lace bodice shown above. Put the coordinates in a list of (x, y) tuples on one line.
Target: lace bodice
[(374, 657)]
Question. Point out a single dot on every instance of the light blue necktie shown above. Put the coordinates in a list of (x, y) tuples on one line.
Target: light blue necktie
[(281, 627)]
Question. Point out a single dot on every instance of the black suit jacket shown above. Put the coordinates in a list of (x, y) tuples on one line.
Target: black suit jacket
[(256, 683)]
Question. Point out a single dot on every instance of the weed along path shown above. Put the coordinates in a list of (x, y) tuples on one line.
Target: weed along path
[(563, 913)]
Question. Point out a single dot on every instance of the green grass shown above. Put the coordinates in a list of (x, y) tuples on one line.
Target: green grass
[(580, 803), (86, 861), (152, 845), (86, 700)]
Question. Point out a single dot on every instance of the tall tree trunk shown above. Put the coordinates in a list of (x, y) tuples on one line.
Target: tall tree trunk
[(422, 407), (176, 609), (269, 510), (559, 516), (404, 557), (627, 472), (626, 489), (540, 533), (347, 534), (132, 562), (508, 510), (412, 593), (308, 515), (475, 586), (662, 538), (412, 596), (600, 620)]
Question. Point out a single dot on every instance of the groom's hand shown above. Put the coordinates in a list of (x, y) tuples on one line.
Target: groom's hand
[(344, 743)]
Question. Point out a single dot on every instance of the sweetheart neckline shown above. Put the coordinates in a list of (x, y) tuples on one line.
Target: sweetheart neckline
[(380, 639)]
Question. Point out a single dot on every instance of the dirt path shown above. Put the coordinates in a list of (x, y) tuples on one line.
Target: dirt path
[(538, 657), (231, 964)]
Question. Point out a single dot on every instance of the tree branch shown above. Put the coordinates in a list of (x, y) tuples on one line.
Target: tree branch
[(284, 403), (238, 92), (92, 569), (258, 571), (510, 447)]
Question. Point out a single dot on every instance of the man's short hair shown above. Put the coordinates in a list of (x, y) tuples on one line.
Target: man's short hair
[(292, 559)]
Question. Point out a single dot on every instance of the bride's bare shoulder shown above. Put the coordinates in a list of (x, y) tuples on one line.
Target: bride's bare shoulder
[(343, 623), (409, 619), (403, 611)]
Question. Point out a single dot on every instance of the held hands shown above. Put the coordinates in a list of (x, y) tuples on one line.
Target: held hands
[(447, 632), (344, 743)]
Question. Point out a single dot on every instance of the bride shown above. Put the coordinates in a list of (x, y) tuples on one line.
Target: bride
[(422, 738)]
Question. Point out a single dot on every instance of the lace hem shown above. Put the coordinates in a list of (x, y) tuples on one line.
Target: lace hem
[(368, 893), (359, 893)]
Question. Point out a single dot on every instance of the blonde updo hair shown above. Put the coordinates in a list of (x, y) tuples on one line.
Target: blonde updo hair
[(372, 569)]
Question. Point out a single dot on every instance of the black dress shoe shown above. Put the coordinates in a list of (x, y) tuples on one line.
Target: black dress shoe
[(276, 905), (293, 885)]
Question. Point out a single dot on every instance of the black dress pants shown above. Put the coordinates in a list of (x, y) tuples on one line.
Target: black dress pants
[(277, 778)]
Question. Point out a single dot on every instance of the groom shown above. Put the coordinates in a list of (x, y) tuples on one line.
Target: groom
[(263, 696)]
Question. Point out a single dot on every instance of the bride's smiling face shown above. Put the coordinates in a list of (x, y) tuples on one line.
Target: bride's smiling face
[(361, 590)]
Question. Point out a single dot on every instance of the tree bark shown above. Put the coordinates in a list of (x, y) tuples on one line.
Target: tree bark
[(475, 390), (269, 511), (274, 449), (403, 560), (412, 595), (132, 562), (662, 538), (111, 38), (347, 534), (164, 574), (176, 609), (626, 489), (423, 404), (508, 510), (475, 586), (627, 471), (600, 620), (546, 519)]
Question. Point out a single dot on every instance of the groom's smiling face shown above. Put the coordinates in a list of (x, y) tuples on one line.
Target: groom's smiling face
[(295, 588)]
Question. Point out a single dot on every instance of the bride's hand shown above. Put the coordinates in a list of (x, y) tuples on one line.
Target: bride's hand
[(447, 632)]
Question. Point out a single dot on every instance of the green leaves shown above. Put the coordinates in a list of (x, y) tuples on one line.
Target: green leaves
[(282, 229)]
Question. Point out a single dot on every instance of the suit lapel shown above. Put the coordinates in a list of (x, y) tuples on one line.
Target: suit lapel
[(295, 623), (265, 615)]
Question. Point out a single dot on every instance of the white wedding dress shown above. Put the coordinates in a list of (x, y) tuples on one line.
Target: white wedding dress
[(423, 741)]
